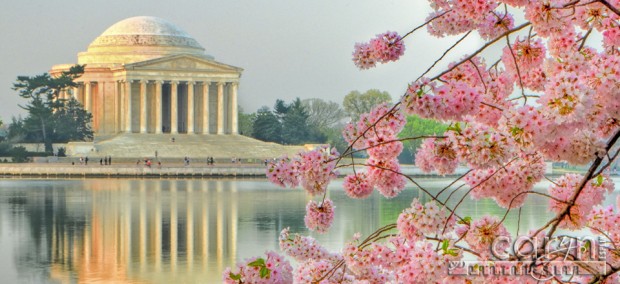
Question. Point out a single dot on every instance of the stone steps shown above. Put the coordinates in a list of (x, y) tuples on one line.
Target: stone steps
[(194, 146)]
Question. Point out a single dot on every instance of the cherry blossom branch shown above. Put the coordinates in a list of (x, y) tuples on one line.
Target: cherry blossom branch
[(445, 226), (584, 38), (589, 175), (516, 67), (479, 75), (452, 183), (610, 7), (484, 47), (387, 142), (442, 56), (526, 192), (452, 213), (422, 25), (609, 162)]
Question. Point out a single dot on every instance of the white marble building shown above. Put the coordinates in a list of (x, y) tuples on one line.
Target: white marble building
[(145, 75)]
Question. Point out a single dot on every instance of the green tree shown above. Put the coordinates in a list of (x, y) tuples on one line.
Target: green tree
[(295, 127), (356, 103), (42, 93), (322, 114), (417, 126), (267, 126), (246, 122), (70, 123)]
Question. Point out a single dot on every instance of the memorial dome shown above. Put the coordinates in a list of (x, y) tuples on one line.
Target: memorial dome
[(138, 39)]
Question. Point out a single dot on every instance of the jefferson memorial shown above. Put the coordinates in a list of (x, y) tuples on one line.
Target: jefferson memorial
[(145, 75), (148, 83)]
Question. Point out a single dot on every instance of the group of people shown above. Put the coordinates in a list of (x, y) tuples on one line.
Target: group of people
[(148, 163), (83, 160), (105, 160), (210, 161)]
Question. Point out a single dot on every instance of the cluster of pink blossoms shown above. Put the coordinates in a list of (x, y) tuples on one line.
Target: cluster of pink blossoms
[(436, 154), (481, 146), (418, 221), (384, 48), (274, 269), (481, 233), (319, 217), (507, 184), (592, 194), (313, 170), (377, 132), (357, 185), (451, 101), (527, 54)]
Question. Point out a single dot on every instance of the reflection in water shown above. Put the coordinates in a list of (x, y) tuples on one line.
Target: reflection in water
[(180, 231)]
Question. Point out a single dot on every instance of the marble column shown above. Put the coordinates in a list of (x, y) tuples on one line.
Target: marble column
[(234, 128), (122, 102), (173, 108), (117, 121), (143, 106), (158, 106), (205, 107), (220, 107), (128, 113), (87, 97), (190, 107)]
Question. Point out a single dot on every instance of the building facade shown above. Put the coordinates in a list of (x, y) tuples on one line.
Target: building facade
[(145, 75)]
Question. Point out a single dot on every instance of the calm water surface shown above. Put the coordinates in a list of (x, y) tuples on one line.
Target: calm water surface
[(178, 231)]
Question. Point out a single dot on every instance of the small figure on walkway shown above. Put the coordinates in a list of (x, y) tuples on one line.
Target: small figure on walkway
[(86, 161), (159, 164), (109, 160), (101, 162), (266, 162), (172, 139), (156, 154)]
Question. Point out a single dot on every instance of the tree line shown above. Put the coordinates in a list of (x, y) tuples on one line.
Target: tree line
[(317, 121)]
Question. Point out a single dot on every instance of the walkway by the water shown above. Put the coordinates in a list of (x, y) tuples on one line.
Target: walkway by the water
[(94, 169), (193, 170)]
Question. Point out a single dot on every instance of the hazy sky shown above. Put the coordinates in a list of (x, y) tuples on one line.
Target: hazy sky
[(288, 48)]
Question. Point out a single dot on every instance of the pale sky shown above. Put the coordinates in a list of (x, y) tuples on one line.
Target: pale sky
[(288, 48)]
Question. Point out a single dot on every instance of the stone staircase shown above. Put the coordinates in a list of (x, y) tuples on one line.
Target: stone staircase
[(125, 146)]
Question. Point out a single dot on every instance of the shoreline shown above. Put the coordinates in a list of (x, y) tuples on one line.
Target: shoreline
[(175, 170), (130, 170)]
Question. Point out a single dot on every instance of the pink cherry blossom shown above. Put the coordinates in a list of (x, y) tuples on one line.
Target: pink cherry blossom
[(319, 217), (593, 193), (419, 220), (384, 48), (357, 185), (437, 154)]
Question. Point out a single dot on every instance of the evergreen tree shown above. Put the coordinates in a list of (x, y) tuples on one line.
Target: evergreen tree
[(266, 126), (49, 115)]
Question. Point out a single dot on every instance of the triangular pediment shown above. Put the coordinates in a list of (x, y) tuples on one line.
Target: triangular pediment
[(183, 62)]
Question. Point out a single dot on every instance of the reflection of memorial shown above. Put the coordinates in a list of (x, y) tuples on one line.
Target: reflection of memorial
[(169, 232)]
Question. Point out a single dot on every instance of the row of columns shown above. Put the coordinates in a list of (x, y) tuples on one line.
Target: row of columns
[(125, 108)]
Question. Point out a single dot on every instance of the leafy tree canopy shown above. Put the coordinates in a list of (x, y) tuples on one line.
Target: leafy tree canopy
[(356, 103)]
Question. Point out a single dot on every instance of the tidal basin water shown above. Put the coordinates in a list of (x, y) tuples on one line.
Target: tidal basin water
[(181, 231)]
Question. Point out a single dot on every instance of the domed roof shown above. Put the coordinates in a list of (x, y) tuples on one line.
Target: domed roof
[(137, 39), (144, 25)]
